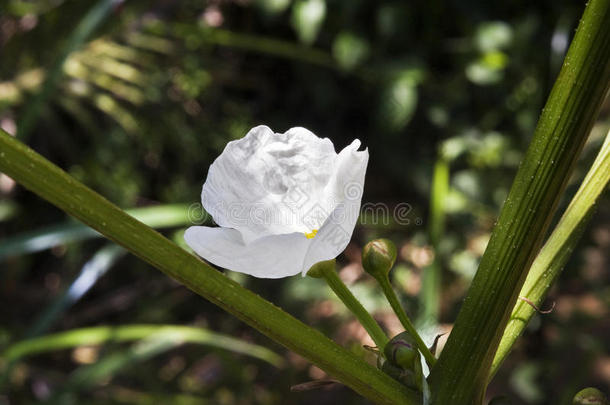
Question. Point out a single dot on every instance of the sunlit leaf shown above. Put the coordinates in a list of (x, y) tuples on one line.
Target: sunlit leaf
[(350, 50), (494, 35), (307, 19), (273, 7), (398, 102)]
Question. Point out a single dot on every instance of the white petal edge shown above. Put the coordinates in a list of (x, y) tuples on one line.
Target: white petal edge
[(273, 256), (335, 234), (226, 194)]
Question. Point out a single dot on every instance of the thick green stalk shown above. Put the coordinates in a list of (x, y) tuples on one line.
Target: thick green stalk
[(556, 251), (387, 289), (54, 185), (462, 371), (352, 303)]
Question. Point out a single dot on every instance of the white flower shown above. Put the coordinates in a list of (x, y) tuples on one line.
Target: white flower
[(283, 202)]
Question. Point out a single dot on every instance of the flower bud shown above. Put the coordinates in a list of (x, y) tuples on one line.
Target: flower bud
[(378, 257), (318, 269), (403, 361), (402, 351), (590, 396)]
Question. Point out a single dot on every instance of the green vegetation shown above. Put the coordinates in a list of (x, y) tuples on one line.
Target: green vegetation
[(483, 173)]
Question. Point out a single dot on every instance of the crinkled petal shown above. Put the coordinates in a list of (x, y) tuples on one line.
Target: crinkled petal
[(273, 256), (267, 183), (348, 185)]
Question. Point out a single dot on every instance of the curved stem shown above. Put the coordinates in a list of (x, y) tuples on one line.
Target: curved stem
[(98, 335), (352, 303), (384, 282)]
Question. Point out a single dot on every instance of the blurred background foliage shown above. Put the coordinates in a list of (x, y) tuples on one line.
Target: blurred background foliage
[(136, 98)]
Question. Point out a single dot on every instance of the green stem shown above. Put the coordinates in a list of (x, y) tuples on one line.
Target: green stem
[(431, 278), (266, 45), (556, 251), (99, 335), (352, 303), (462, 371), (51, 183), (257, 43), (387, 289)]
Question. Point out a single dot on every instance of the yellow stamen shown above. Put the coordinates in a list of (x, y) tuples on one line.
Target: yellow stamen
[(311, 234)]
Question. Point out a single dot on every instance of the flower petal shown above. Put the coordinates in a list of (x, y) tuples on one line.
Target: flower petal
[(273, 256), (347, 187), (268, 183)]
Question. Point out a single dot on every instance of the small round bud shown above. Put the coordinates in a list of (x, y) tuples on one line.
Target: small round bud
[(404, 354), (403, 361), (402, 351), (590, 396), (318, 269), (378, 257)]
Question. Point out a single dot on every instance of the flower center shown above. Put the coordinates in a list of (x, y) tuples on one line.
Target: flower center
[(311, 234)]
